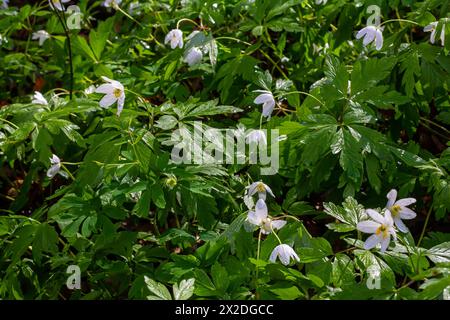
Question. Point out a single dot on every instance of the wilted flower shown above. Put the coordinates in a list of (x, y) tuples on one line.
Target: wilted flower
[(256, 136), (193, 56), (57, 4), (55, 167), (371, 33), (38, 98), (260, 218), (432, 27), (285, 253), (382, 229), (41, 35), (267, 100), (114, 91), (261, 188), (175, 37), (111, 3), (399, 210)]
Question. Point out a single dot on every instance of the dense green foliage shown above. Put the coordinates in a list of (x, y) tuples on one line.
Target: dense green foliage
[(358, 122)]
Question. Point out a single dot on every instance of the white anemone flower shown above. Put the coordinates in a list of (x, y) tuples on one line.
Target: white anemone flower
[(38, 98), (175, 37), (4, 4), (261, 219), (57, 4), (55, 167), (267, 100), (432, 27), (134, 8), (41, 35), (256, 136), (321, 2), (111, 3), (382, 228), (261, 188), (284, 253), (399, 210), (370, 34), (193, 56), (114, 92)]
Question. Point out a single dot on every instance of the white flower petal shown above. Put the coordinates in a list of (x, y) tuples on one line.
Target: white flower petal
[(107, 100), (375, 216), (261, 209), (105, 88), (253, 218), (252, 188), (361, 33), (405, 202), (372, 241), (407, 213), (368, 226), (263, 98), (385, 243), (400, 225), (278, 224), (392, 196), (379, 39), (120, 103), (268, 108), (54, 169), (262, 195), (269, 191)]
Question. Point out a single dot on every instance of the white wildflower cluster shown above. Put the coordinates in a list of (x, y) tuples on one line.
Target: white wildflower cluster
[(194, 52), (259, 218), (382, 226), (374, 33)]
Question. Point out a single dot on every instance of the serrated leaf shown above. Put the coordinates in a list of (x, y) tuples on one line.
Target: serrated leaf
[(158, 290), (184, 290)]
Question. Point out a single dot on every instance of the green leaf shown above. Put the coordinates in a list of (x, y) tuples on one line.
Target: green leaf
[(220, 277), (184, 290), (320, 248), (439, 253), (158, 290), (45, 240)]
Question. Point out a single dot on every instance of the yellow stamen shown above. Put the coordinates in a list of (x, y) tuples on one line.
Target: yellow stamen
[(117, 93), (395, 210), (266, 224), (382, 229), (260, 187)]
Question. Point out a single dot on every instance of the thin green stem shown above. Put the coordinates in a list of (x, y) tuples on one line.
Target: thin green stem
[(9, 122), (128, 16), (188, 20), (422, 234), (435, 124), (257, 259), (234, 39), (409, 255), (276, 236), (69, 48), (302, 92), (399, 20), (68, 172)]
